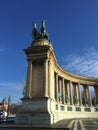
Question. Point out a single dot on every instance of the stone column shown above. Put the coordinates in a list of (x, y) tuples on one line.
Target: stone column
[(56, 87), (70, 92), (76, 90), (59, 89), (90, 98), (46, 78), (63, 91), (87, 92), (96, 93), (29, 80), (51, 82), (67, 93), (77, 93), (61, 94), (80, 96)]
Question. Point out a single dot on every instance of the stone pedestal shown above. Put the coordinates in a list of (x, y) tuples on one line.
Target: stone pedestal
[(35, 119), (36, 111)]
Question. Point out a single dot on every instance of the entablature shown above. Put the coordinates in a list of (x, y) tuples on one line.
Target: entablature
[(75, 78)]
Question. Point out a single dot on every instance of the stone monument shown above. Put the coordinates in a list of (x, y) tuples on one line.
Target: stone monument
[(53, 94), (36, 102)]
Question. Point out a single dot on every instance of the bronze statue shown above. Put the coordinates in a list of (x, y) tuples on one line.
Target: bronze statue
[(76, 100), (39, 35), (44, 33), (67, 99), (34, 32)]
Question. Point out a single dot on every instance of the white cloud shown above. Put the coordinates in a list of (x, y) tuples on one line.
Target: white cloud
[(11, 89), (85, 64)]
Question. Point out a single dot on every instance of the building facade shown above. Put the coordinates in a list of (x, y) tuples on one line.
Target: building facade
[(3, 105)]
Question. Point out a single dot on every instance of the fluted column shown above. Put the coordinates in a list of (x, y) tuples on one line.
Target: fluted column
[(46, 78), (29, 80)]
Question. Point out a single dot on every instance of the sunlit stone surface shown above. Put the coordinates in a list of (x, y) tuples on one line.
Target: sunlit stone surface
[(53, 94)]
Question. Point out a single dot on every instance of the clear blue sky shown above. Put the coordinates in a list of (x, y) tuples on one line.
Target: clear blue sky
[(73, 31)]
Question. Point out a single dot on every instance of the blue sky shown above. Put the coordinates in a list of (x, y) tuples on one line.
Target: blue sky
[(73, 31)]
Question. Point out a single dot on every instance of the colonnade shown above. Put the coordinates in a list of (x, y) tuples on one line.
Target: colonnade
[(68, 92), (49, 88)]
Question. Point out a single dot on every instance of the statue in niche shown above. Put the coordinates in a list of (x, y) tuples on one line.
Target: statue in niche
[(59, 96), (94, 101), (76, 100), (67, 99), (85, 102)]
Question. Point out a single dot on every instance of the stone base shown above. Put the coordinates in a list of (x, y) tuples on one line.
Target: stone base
[(34, 119), (37, 106), (45, 111), (36, 111)]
